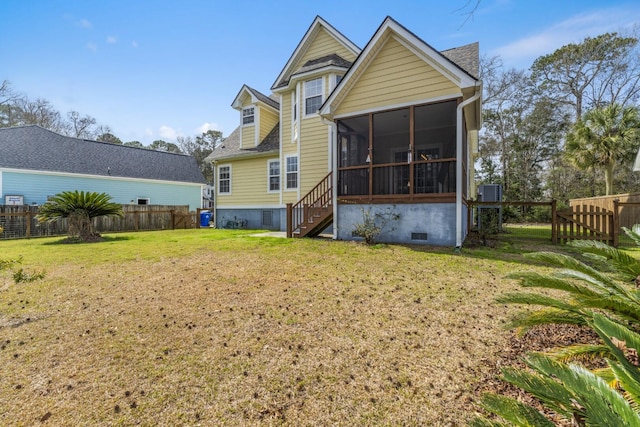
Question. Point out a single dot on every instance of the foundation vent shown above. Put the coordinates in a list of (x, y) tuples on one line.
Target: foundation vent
[(418, 236)]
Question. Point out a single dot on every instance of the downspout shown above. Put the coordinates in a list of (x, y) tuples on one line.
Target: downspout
[(459, 131), (215, 200), (334, 176)]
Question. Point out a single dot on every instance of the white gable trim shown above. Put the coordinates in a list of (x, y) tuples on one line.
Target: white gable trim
[(400, 105), (238, 105), (391, 28), (306, 40)]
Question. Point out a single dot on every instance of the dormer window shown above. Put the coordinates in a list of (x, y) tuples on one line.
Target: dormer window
[(312, 96), (248, 116)]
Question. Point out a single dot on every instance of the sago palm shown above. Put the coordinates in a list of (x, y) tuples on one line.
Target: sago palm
[(79, 208)]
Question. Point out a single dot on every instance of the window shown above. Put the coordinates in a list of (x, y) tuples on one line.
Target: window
[(143, 201), (273, 167), (224, 179), (292, 172), (248, 116), (312, 96)]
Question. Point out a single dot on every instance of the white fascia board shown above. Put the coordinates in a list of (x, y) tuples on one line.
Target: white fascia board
[(219, 206)]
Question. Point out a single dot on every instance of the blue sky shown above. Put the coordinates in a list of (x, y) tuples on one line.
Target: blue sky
[(158, 69)]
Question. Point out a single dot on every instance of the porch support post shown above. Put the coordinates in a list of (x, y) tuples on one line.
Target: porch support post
[(459, 131)]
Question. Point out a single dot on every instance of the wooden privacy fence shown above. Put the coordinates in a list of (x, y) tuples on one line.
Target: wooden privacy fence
[(21, 221), (583, 221)]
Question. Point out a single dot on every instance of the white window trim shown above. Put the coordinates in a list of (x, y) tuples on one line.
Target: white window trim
[(269, 190), (285, 180), (304, 97), (242, 115), (228, 165)]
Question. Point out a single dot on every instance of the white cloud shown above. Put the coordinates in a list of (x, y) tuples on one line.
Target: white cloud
[(207, 127), (112, 40), (524, 51), (167, 132), (92, 47), (134, 44), (84, 23), (148, 132)]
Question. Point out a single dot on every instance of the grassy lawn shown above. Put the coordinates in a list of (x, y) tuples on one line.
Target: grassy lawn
[(215, 327)]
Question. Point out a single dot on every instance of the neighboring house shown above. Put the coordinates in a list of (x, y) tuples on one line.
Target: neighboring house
[(390, 127), (36, 163)]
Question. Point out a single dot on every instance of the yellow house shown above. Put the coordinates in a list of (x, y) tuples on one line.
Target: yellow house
[(389, 128)]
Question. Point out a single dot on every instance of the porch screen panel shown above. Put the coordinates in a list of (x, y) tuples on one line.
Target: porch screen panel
[(353, 182), (391, 137), (353, 141)]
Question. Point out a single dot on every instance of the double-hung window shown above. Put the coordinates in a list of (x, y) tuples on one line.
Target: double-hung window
[(274, 175), (312, 96), (248, 116), (292, 173), (224, 179)]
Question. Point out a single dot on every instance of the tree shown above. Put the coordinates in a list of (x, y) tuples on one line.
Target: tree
[(200, 147), (169, 147), (8, 97), (39, 112), (600, 70), (136, 144), (603, 138), (79, 208), (80, 127), (110, 138)]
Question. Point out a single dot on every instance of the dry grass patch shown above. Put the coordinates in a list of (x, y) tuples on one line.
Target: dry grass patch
[(250, 331)]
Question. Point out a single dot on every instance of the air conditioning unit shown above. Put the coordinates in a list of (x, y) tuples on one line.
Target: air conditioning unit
[(490, 193)]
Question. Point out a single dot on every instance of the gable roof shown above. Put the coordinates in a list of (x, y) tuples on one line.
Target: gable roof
[(318, 22), (256, 96), (466, 57), (230, 148), (442, 62), (35, 148)]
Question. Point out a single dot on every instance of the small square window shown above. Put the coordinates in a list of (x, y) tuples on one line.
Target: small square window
[(248, 116)]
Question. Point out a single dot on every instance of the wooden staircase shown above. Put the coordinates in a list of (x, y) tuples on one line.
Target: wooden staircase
[(312, 213)]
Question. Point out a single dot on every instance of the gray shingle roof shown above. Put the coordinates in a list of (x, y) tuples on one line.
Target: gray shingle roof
[(325, 61), (264, 98), (35, 148), (230, 148), (466, 57)]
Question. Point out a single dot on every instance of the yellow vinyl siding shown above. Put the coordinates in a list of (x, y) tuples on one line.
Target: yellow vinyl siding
[(248, 136), (286, 135), (396, 76), (314, 152), (268, 120), (249, 184), (324, 44)]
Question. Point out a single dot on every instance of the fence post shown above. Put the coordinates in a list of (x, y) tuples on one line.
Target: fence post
[(615, 223), (173, 219), (28, 224), (135, 220), (289, 220), (554, 222)]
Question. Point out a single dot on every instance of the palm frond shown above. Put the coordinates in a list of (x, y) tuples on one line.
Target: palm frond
[(601, 404), (536, 299), (537, 280), (579, 352), (515, 412), (633, 233), (549, 391), (623, 264), (524, 321)]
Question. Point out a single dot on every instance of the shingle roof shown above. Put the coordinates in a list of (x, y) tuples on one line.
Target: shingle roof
[(264, 98), (35, 148), (230, 148), (325, 61), (466, 57)]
